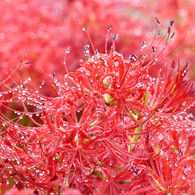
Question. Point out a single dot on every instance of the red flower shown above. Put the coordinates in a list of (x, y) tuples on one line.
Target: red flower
[(114, 129)]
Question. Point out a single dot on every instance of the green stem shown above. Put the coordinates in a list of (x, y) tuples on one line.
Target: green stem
[(135, 137)]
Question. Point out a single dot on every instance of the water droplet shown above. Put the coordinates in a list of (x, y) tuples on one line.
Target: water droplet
[(158, 32), (68, 49), (143, 44), (109, 28), (84, 29), (116, 63), (191, 116)]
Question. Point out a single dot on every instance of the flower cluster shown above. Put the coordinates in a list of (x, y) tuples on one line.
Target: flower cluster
[(111, 129)]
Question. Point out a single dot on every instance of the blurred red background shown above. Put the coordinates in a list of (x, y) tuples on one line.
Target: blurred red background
[(42, 31)]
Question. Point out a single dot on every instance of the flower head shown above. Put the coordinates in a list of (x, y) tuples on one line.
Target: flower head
[(114, 129)]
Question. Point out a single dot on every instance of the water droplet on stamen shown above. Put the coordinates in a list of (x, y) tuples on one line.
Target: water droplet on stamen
[(191, 116), (84, 29), (143, 44), (109, 28), (158, 32), (68, 49), (133, 57)]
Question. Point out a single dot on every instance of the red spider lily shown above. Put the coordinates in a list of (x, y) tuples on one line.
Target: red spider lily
[(113, 130)]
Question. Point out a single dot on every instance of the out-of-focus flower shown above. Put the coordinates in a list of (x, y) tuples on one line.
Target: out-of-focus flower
[(71, 192), (15, 191)]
